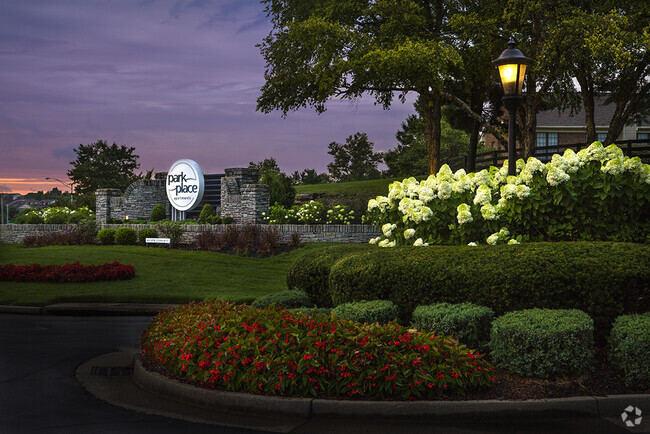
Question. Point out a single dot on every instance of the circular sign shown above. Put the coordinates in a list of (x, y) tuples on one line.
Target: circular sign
[(185, 185)]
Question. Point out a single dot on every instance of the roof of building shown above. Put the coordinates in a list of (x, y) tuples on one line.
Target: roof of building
[(602, 116)]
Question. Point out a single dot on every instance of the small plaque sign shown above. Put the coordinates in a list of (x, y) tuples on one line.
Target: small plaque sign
[(158, 240)]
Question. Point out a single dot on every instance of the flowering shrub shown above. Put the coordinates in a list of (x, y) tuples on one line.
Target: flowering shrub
[(219, 345), (56, 215), (309, 213), (595, 194), (75, 272), (340, 215)]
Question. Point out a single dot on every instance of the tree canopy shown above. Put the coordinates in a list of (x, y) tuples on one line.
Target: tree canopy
[(100, 165), (354, 160)]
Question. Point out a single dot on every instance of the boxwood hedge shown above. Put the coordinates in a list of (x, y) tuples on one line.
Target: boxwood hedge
[(604, 279), (373, 311), (310, 272), (629, 344)]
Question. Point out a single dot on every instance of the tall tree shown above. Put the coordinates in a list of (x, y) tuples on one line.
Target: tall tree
[(354, 160), (99, 165), (280, 185), (409, 158), (345, 49)]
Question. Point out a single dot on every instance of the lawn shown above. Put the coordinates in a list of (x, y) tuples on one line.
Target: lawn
[(162, 275), (372, 188)]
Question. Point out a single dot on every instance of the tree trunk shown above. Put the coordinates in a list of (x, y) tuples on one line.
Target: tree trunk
[(431, 116), (528, 115), (586, 83)]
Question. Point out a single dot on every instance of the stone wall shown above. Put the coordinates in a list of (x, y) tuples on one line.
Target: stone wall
[(138, 201), (308, 233)]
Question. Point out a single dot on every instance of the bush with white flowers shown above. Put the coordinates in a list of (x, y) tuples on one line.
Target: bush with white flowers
[(58, 215), (310, 213), (594, 194)]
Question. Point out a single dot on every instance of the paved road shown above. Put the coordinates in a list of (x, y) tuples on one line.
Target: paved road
[(39, 393)]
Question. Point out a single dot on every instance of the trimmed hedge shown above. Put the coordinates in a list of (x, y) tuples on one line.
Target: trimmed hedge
[(467, 322), (288, 299), (629, 345), (310, 272), (604, 279), (126, 236), (106, 236), (543, 343), (158, 213), (373, 311), (145, 233)]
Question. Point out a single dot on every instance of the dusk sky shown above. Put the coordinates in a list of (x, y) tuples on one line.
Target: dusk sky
[(174, 79)]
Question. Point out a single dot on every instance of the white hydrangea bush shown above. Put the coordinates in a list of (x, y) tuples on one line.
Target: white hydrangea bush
[(594, 194)]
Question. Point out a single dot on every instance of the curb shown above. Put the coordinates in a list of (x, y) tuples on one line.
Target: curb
[(308, 408), (91, 309)]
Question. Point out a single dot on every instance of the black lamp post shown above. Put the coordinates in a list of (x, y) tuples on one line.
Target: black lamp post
[(512, 70)]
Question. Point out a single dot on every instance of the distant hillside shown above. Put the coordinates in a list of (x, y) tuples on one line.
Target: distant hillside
[(371, 189)]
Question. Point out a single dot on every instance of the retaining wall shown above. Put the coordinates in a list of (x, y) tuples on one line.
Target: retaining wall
[(308, 233)]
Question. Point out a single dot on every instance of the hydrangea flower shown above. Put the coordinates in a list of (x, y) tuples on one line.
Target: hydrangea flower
[(445, 174), (409, 233), (387, 229), (522, 191), (483, 195), (444, 190), (556, 176), (533, 165), (613, 167), (508, 191), (633, 165), (558, 162), (595, 152), (472, 244), (459, 174), (426, 194), (492, 239), (574, 163), (396, 191), (513, 241), (462, 185), (420, 242), (481, 178), (612, 151), (464, 214), (374, 240), (489, 212)]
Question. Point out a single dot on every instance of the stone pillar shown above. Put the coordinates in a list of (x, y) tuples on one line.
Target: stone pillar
[(103, 203), (231, 190), (255, 201)]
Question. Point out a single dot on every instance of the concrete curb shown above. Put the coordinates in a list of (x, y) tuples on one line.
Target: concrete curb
[(91, 309), (307, 408)]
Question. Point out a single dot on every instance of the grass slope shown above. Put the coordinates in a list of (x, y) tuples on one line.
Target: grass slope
[(372, 188), (162, 275)]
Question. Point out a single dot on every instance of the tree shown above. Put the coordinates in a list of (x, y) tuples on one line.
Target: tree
[(99, 165), (345, 49), (354, 160), (309, 176), (280, 185), (409, 158)]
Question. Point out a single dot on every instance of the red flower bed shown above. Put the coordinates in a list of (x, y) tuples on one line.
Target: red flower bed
[(75, 272)]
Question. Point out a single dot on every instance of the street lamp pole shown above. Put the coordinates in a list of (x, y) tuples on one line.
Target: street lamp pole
[(66, 184), (512, 70)]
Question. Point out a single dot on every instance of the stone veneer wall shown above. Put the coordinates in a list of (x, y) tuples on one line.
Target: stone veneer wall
[(138, 201), (242, 198), (308, 233)]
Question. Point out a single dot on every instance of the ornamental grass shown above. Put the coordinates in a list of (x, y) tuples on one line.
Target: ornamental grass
[(221, 345)]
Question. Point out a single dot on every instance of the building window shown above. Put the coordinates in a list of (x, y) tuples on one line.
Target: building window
[(642, 136), (601, 137), (545, 140)]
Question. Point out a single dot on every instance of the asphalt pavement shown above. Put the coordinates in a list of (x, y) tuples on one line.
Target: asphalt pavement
[(39, 392)]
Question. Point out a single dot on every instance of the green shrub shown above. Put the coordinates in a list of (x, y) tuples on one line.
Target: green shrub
[(206, 213), (310, 272), (86, 231), (629, 345), (158, 213), (288, 299), (604, 279), (543, 343), (227, 220), (106, 236), (380, 311), (145, 233), (172, 230), (213, 220), (113, 221), (33, 219), (340, 215), (126, 236), (468, 323), (276, 352)]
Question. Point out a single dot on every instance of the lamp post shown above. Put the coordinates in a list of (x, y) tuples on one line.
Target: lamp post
[(67, 185), (512, 70)]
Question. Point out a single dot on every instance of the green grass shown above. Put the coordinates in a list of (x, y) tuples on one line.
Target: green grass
[(372, 188), (162, 275)]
